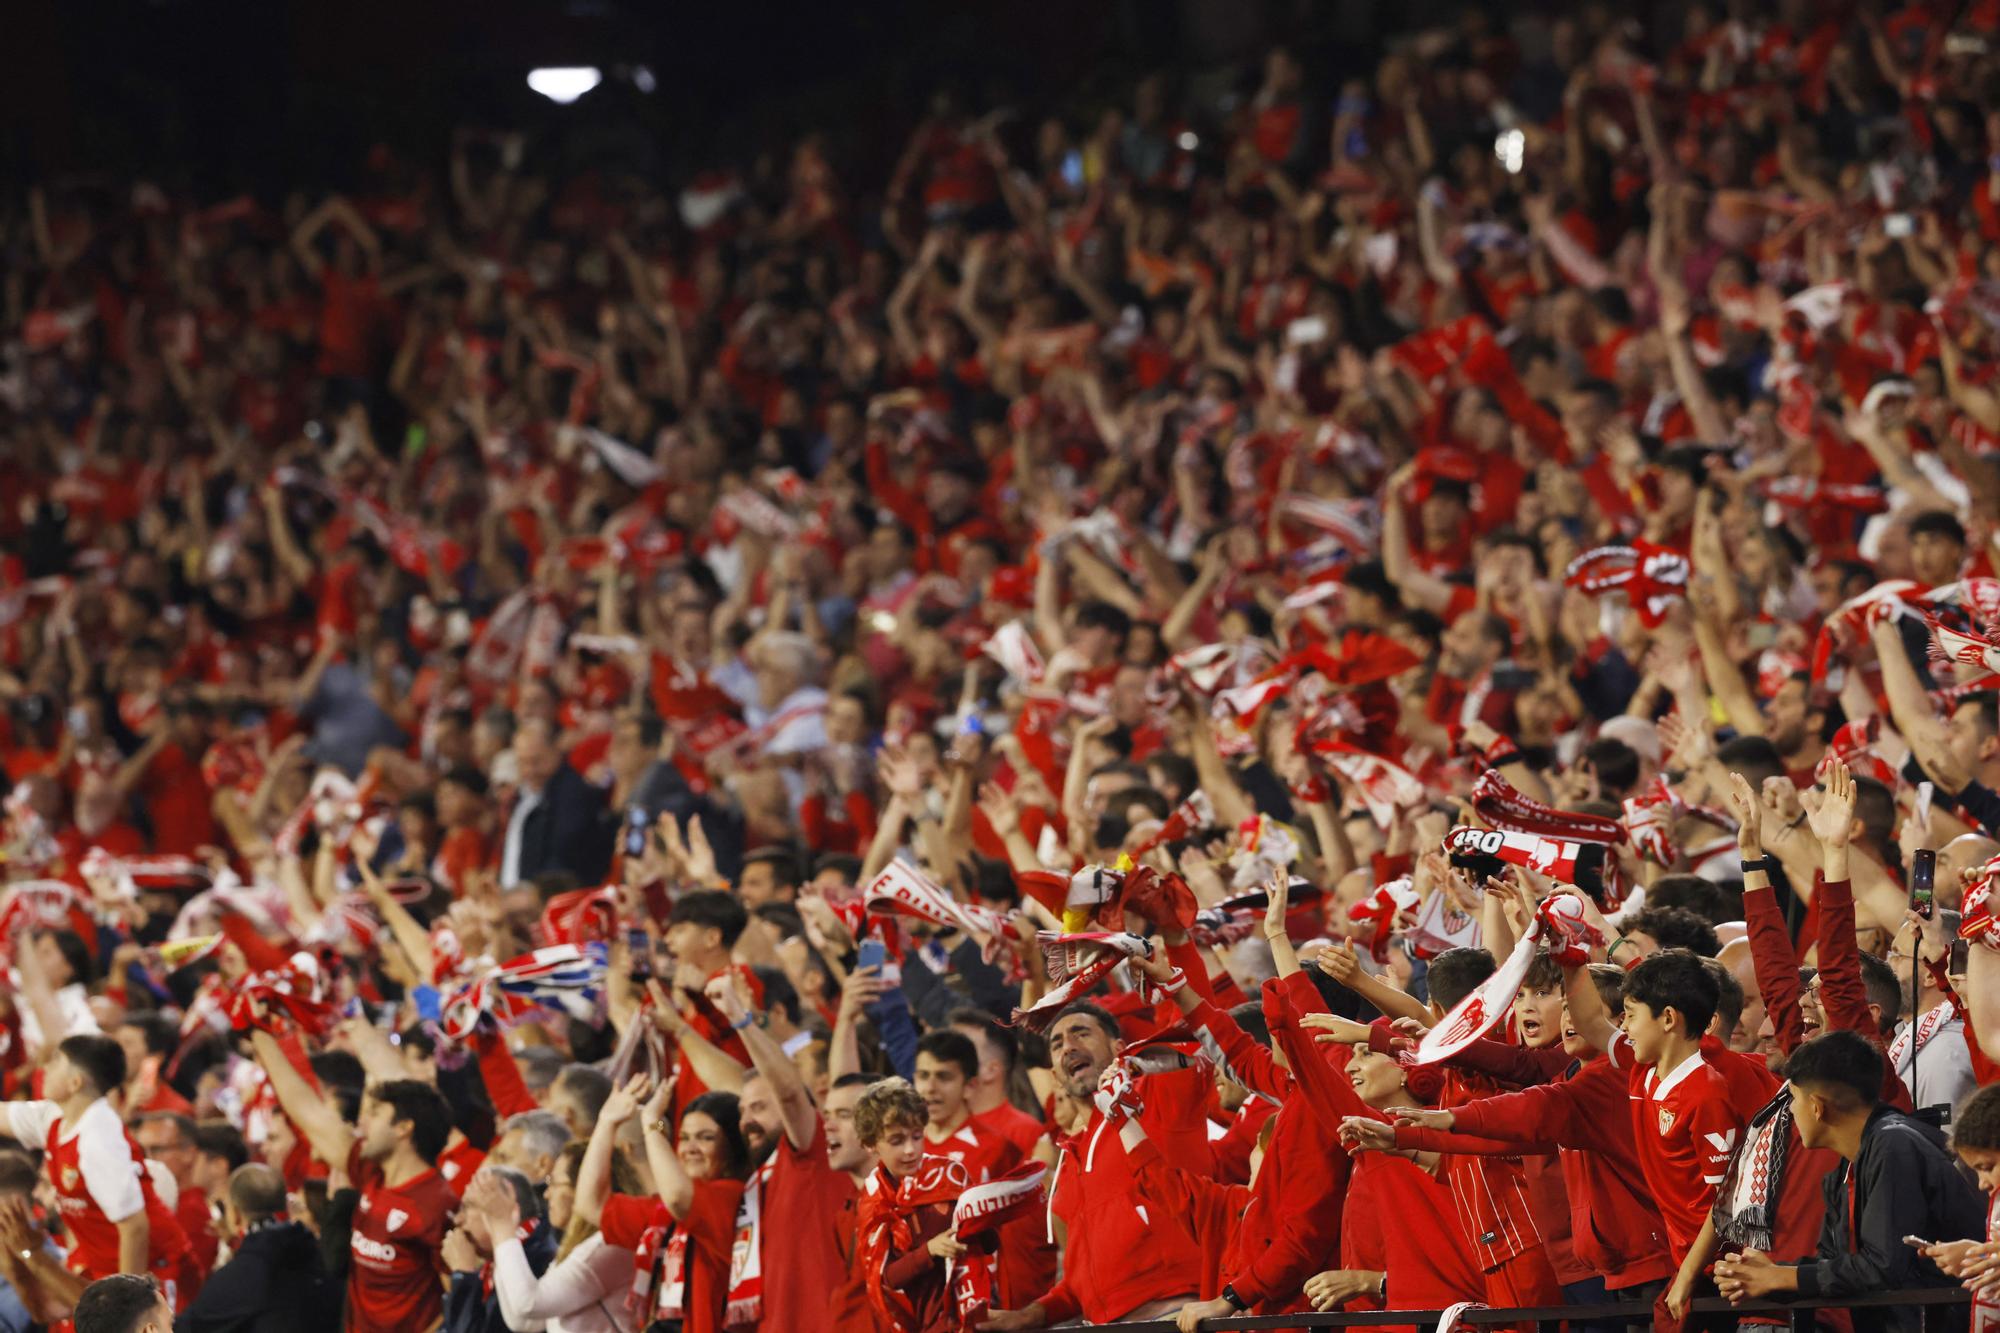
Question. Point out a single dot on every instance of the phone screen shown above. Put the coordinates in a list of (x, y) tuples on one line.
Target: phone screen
[(1923, 880)]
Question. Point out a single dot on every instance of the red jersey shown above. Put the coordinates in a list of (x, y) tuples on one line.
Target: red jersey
[(458, 1163), (398, 1233), (1685, 1125), (1011, 1123), (984, 1154), (100, 1180), (808, 1257)]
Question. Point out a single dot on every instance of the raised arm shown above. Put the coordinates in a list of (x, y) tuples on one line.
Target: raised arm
[(794, 1102), (593, 1174), (329, 1136), (1587, 1013), (670, 1180), (711, 1064)]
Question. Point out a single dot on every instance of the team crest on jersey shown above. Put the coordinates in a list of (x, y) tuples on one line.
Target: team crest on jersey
[(396, 1218), (70, 1175), (1666, 1121)]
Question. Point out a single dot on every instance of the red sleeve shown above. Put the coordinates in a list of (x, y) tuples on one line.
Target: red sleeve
[(1543, 1114), (1777, 966), (505, 1087), (1471, 1145), (1189, 960), (1512, 1064), (1327, 1090), (1841, 989), (627, 1218), (1232, 1151), (1249, 1061), (905, 1270), (1184, 1193), (1713, 1120)]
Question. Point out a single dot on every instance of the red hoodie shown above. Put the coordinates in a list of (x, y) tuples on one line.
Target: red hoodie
[(1116, 1255), (1293, 1219), (1399, 1219), (1614, 1226)]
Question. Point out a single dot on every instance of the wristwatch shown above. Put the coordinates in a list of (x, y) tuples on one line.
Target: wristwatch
[(1235, 1302)]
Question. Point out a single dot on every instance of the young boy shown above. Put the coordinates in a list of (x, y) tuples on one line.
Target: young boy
[(1684, 1119), (1975, 1136), (1898, 1181), (906, 1241)]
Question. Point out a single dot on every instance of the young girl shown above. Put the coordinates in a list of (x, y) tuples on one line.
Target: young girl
[(1976, 1137), (907, 1242)]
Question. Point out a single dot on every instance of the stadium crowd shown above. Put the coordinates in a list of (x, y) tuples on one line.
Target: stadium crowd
[(1302, 697)]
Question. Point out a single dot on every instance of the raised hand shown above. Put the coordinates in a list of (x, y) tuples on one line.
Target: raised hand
[(625, 1101), (1340, 962), (1279, 892), (1749, 812), (1833, 819), (1332, 1027)]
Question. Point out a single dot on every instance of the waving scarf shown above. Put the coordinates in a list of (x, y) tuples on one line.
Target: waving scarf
[(1500, 804), (1652, 577), (565, 977), (902, 890), (884, 1227), (1560, 922), (280, 1000), (1076, 963), (1587, 866)]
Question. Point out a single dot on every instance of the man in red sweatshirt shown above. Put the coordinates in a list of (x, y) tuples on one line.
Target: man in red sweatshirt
[(1119, 1261), (1292, 1222)]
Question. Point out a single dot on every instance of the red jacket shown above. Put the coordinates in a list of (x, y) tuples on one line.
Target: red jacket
[(1116, 1255), (1613, 1224), (1399, 1219), (1213, 1210), (1293, 1219)]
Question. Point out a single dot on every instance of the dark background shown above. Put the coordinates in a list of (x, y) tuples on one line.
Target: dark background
[(224, 95)]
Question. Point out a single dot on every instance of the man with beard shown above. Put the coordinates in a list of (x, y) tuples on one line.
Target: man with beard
[(808, 1193), (1119, 1262)]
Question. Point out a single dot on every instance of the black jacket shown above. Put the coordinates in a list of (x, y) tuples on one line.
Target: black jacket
[(470, 1308), (565, 831), (1904, 1183), (274, 1283)]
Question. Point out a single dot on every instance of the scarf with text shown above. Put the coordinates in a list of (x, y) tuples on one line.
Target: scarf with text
[(977, 1218), (885, 1226)]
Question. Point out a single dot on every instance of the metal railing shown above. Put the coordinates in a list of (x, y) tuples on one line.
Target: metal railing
[(1937, 1303)]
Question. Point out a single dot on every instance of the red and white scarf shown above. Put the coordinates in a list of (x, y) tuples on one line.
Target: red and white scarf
[(980, 1211), (1077, 962), (1500, 804), (884, 1227), (1652, 577), (1923, 1029), (662, 1259), (902, 890)]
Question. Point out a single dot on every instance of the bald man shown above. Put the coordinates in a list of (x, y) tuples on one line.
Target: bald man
[(1958, 861), (274, 1281)]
